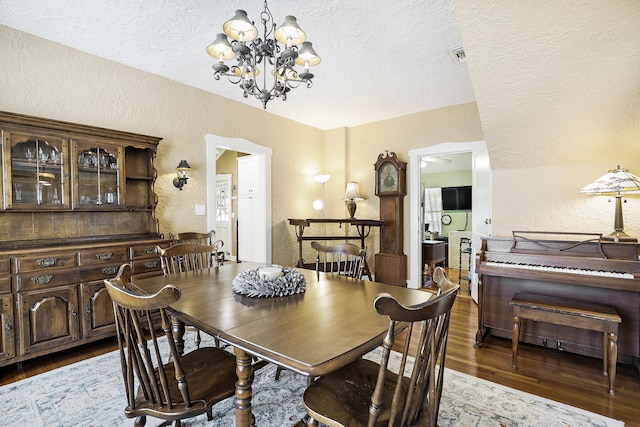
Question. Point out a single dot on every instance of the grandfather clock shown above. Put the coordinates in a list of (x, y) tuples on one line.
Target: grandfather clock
[(391, 187)]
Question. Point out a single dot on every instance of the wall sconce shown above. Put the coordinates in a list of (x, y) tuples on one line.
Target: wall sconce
[(351, 195), (182, 177), (617, 182)]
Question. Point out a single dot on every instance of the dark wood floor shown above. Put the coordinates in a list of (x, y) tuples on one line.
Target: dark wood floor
[(564, 377)]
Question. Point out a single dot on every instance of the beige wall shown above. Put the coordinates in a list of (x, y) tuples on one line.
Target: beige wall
[(558, 91), (459, 123), (42, 78), (551, 128)]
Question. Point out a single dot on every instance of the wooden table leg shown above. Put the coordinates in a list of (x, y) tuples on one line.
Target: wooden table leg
[(244, 371)]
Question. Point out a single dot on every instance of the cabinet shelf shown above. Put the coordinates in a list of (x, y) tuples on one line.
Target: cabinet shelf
[(94, 170), (140, 178)]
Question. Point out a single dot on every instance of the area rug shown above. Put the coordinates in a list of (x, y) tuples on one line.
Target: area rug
[(91, 393)]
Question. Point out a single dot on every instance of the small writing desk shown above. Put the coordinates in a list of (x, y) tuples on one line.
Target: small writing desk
[(434, 253), (325, 328), (363, 227)]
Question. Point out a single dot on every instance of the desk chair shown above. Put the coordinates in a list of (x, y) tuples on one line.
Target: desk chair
[(166, 386), (367, 393), (189, 257), (345, 259)]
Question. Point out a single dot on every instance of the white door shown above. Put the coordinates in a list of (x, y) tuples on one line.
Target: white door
[(481, 208), (223, 210), (251, 209)]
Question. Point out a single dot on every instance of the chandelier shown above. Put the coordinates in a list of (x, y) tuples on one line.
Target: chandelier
[(265, 68)]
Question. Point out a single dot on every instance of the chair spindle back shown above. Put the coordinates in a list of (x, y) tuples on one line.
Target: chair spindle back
[(344, 259)]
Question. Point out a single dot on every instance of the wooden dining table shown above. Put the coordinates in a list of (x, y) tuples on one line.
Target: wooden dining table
[(330, 325)]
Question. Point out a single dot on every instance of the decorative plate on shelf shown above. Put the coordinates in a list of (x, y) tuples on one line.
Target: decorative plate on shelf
[(252, 283)]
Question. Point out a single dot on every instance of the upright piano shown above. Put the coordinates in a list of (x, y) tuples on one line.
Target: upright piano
[(578, 266)]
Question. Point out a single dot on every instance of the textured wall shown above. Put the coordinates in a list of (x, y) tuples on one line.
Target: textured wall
[(42, 78), (558, 89), (558, 92)]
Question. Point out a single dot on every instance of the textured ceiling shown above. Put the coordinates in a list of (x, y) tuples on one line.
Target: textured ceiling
[(555, 82), (380, 59)]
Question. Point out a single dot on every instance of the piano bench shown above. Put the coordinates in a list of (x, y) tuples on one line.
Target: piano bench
[(577, 314)]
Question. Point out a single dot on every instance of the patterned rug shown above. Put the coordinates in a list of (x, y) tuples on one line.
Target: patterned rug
[(91, 393)]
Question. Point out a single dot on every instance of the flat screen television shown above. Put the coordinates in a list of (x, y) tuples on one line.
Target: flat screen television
[(456, 198)]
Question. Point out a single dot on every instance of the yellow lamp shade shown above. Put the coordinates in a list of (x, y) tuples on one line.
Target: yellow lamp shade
[(240, 28), (289, 33)]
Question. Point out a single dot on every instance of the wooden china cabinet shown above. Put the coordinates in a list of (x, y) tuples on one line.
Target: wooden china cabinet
[(77, 202)]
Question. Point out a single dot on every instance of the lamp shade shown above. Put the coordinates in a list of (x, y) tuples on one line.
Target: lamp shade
[(353, 192), (616, 181), (289, 72), (221, 48), (183, 166), (289, 33), (307, 55), (322, 178), (240, 28)]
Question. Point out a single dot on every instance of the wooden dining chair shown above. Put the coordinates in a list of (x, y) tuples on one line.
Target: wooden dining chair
[(366, 393), (345, 259), (160, 382), (202, 239), (189, 257), (183, 257)]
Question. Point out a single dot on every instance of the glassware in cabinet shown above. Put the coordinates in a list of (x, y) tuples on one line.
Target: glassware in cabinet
[(97, 176), (36, 171)]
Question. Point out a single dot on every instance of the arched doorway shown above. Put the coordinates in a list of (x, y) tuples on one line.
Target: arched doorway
[(241, 145)]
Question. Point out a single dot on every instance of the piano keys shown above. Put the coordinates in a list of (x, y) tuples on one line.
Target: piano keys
[(578, 266)]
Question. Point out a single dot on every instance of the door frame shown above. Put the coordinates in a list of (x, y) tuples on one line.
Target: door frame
[(415, 251), (243, 146)]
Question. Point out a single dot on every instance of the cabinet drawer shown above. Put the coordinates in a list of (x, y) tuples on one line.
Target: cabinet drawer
[(5, 264), (146, 265), (48, 279), (44, 262), (103, 256), (5, 285), (143, 251)]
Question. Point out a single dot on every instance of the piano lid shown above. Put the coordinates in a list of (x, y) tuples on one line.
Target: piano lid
[(574, 244)]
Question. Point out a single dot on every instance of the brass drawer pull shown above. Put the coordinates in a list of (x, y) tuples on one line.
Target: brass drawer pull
[(151, 264), (7, 328), (42, 280), (104, 256), (110, 270), (46, 262)]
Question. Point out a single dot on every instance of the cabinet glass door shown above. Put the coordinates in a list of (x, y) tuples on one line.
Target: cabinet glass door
[(37, 172), (98, 178)]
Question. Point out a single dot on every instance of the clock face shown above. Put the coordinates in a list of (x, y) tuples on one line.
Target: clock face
[(388, 178), (446, 219)]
